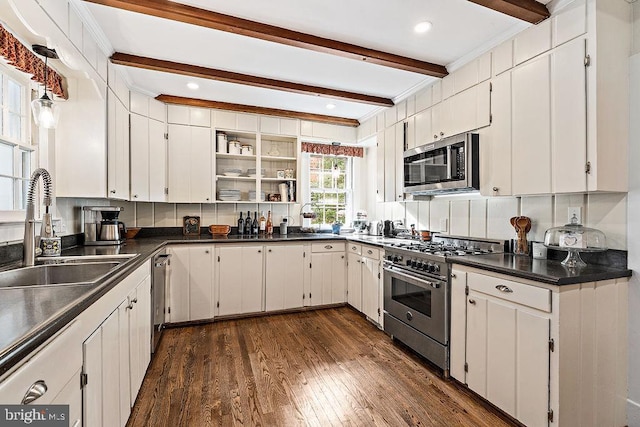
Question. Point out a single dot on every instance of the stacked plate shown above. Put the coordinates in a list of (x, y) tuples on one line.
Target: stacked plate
[(252, 172), (232, 172), (252, 195), (229, 195)]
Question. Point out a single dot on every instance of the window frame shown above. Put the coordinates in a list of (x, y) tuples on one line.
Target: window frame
[(347, 191), (19, 145)]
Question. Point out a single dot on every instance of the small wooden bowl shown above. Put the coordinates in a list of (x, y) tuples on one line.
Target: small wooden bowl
[(132, 232), (425, 235), (220, 230)]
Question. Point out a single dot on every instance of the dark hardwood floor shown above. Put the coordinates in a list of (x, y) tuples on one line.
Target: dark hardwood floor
[(320, 368)]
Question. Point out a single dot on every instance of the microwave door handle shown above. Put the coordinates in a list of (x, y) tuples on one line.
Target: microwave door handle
[(449, 163)]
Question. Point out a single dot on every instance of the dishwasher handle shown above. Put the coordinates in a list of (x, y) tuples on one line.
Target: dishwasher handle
[(162, 260)]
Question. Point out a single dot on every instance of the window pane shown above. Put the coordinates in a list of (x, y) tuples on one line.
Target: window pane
[(328, 163), (21, 202), (14, 97), (14, 126), (26, 164), (314, 180), (327, 180), (341, 182), (6, 159), (6, 194), (315, 162)]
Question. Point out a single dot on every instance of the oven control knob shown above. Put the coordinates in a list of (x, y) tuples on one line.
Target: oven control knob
[(396, 259), (409, 262), (419, 265), (425, 267), (390, 257), (409, 316), (436, 268), (430, 267), (414, 263)]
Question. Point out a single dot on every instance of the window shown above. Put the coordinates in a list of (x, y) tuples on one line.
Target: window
[(330, 188), (15, 154)]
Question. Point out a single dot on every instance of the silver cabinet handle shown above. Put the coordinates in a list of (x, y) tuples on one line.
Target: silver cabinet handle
[(130, 306), (35, 392), (259, 251), (353, 248), (328, 247), (370, 252), (207, 199), (135, 300), (453, 276), (135, 196), (495, 188), (112, 191), (409, 315), (435, 136), (504, 288), (269, 250), (207, 251), (441, 133), (472, 302)]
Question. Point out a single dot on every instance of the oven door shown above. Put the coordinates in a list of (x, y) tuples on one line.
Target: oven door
[(417, 301)]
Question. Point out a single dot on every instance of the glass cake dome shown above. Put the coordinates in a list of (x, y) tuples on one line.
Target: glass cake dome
[(575, 238)]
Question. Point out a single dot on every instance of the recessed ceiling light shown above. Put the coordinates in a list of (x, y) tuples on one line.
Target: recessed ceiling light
[(422, 27), (331, 106), (193, 86)]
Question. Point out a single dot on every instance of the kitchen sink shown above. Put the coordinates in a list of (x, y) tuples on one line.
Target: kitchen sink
[(56, 274)]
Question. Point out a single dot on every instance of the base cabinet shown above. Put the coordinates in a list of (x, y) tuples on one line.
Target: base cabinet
[(328, 274), (284, 277), (364, 280), (116, 356), (190, 295), (538, 351), (240, 277)]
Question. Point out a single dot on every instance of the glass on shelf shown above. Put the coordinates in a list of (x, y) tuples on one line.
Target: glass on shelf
[(274, 151)]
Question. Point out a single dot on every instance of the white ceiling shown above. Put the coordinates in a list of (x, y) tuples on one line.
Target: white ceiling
[(460, 29)]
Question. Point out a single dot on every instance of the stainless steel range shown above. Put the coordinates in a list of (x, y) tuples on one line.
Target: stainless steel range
[(417, 291)]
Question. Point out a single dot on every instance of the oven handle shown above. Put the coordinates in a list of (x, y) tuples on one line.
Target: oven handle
[(418, 281)]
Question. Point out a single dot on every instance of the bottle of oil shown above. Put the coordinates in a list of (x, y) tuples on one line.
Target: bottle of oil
[(269, 224)]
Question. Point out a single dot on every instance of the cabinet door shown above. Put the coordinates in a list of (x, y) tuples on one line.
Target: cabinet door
[(501, 356), (157, 162), (424, 132), (139, 158), (441, 119), (411, 132), (531, 142), (240, 280), (110, 368), (495, 159), (477, 343), (338, 278), (457, 344), (284, 277), (399, 161), (201, 161), (390, 164), (200, 282), (321, 272), (179, 163), (135, 337), (370, 290), (569, 120), (178, 298), (380, 162), (354, 281), (465, 105), (92, 367), (124, 395), (118, 153), (143, 326)]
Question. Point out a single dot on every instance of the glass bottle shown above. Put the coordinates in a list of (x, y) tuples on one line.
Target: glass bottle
[(263, 223), (269, 224), (247, 224), (240, 225), (254, 226)]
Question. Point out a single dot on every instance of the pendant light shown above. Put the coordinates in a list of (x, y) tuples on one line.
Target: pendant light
[(45, 111)]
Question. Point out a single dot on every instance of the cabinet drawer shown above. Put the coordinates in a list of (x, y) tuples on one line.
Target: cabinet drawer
[(327, 247), (55, 364), (371, 252), (538, 298), (353, 248)]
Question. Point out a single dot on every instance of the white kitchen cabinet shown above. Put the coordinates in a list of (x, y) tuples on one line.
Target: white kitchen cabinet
[(390, 149), (442, 119), (62, 380), (328, 274), (380, 161), (411, 133), (354, 280), (191, 294), (371, 284), (531, 127), (495, 146), (423, 128), (140, 161), (284, 276), (240, 279), (401, 143), (157, 161), (117, 148), (278, 126), (569, 118), (189, 164), (116, 357), (541, 350)]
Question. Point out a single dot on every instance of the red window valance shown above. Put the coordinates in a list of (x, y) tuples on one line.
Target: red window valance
[(336, 150), (23, 59)]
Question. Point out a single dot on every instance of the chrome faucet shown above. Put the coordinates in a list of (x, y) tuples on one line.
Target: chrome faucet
[(29, 244)]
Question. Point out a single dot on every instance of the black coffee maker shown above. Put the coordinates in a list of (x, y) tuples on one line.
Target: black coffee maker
[(389, 228)]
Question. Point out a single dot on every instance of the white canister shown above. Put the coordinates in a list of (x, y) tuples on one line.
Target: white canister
[(247, 150), (222, 143), (234, 147), (284, 192)]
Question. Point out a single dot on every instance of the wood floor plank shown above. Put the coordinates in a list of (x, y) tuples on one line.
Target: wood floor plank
[(316, 368)]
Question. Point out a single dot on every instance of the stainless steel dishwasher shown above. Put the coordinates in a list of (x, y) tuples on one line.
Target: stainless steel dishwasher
[(159, 285)]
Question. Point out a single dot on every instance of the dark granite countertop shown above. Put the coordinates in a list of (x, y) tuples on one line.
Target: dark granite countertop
[(33, 314), (540, 270)]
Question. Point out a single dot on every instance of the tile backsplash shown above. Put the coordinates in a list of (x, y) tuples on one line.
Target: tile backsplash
[(473, 216)]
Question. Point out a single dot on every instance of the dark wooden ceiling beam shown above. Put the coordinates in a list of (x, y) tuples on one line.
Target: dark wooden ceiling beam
[(218, 21), (245, 79), (203, 103), (525, 10)]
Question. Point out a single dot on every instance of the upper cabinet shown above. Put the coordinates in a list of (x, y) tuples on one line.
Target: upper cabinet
[(117, 147), (344, 134)]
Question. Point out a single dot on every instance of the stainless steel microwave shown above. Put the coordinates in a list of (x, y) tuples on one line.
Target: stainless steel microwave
[(447, 166)]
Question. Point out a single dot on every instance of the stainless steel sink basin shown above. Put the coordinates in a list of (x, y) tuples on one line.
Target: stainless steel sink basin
[(81, 259), (56, 274)]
